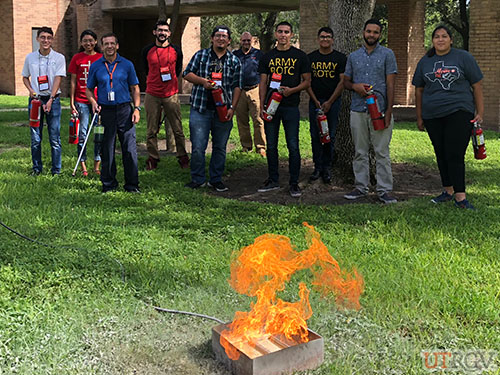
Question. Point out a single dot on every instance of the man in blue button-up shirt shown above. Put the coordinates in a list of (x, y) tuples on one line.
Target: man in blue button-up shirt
[(249, 104), (114, 77), (371, 65)]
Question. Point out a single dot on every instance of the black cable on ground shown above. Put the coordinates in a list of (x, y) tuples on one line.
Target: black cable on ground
[(122, 269), (160, 309)]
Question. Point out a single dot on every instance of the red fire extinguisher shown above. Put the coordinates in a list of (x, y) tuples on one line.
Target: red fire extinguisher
[(375, 114), (324, 132), (74, 126), (478, 142), (273, 104), (35, 112), (220, 105)]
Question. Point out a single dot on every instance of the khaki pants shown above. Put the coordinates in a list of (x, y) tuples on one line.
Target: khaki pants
[(249, 105), (362, 135), (172, 109)]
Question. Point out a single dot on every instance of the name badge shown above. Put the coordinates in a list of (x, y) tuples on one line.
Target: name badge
[(275, 81), (111, 96), (217, 78), (165, 74), (43, 83)]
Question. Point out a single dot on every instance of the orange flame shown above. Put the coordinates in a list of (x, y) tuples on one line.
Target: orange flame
[(263, 268)]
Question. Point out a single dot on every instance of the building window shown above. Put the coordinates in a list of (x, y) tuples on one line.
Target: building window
[(34, 42)]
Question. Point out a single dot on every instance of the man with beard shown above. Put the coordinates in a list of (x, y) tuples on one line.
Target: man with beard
[(115, 77), (371, 65), (163, 63), (213, 65)]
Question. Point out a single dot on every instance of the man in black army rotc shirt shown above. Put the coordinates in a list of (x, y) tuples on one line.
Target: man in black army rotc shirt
[(327, 67), (287, 68)]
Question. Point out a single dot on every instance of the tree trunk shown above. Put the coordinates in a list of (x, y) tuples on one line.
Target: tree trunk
[(266, 35), (347, 18)]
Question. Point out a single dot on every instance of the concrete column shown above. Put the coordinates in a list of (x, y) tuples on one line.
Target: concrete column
[(406, 20), (484, 44)]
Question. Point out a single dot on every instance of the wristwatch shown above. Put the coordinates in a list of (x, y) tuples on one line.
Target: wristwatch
[(138, 108)]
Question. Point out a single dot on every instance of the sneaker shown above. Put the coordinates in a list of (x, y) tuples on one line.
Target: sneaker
[(326, 176), (464, 204), (194, 185), (387, 198), (355, 194), (134, 191), (151, 163), (444, 197), (315, 175), (262, 152), (269, 185), (184, 161), (295, 191), (218, 186)]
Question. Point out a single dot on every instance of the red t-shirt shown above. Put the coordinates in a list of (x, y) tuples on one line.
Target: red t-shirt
[(80, 65), (157, 58)]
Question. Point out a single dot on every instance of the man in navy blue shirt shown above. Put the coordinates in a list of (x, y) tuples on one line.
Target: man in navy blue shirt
[(115, 77), (249, 103)]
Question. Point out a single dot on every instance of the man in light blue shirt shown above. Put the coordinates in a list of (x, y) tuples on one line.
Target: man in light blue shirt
[(371, 65)]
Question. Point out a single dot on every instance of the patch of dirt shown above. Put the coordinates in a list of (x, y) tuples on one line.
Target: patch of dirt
[(410, 181)]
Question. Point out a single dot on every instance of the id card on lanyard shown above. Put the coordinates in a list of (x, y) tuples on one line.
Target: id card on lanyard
[(111, 93), (164, 70), (275, 81), (43, 83), (217, 78)]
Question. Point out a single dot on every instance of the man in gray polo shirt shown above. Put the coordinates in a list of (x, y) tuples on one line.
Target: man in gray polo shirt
[(371, 65)]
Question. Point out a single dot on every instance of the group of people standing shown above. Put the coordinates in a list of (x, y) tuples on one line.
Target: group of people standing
[(448, 100)]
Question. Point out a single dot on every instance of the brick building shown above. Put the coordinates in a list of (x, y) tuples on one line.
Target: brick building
[(132, 21)]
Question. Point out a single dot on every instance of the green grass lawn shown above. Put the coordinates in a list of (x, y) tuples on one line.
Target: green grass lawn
[(10, 101), (431, 272)]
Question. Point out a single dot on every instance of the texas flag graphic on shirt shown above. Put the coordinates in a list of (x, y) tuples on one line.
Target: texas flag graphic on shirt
[(445, 75)]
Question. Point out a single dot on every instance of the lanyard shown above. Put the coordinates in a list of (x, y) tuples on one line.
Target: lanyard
[(158, 56), (40, 56), (110, 73)]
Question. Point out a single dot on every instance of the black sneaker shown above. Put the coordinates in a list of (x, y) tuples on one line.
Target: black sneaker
[(444, 197), (218, 186), (355, 194), (269, 185), (295, 191), (326, 176), (134, 191), (387, 198), (194, 185), (465, 204), (315, 175)]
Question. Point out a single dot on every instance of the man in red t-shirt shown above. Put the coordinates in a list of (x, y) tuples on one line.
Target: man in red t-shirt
[(163, 63)]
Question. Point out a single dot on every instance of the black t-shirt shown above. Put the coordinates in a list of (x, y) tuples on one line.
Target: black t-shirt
[(291, 64), (326, 70), (216, 65)]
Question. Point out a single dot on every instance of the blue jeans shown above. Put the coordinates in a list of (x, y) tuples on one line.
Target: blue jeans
[(53, 119), (84, 111), (291, 120), (323, 154), (201, 125)]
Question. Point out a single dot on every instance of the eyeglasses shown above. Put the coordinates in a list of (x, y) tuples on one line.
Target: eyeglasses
[(46, 37), (325, 37), (221, 36), (246, 40)]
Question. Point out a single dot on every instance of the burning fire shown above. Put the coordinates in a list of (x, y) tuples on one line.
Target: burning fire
[(262, 269)]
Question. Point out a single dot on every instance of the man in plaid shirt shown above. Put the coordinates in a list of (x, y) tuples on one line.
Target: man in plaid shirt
[(214, 64)]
